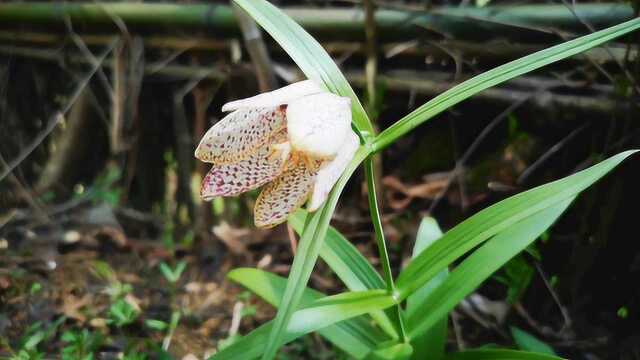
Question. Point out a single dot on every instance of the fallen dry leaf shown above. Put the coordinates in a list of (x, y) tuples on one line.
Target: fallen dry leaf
[(400, 195)]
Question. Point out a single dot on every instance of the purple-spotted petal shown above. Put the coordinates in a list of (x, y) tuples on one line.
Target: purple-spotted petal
[(248, 174), (240, 134), (284, 195)]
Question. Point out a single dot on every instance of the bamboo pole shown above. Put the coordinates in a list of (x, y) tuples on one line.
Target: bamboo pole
[(529, 23), (602, 101), (486, 53), (150, 41)]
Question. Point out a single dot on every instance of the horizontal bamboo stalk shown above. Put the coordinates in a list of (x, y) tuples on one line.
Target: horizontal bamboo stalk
[(478, 53), (171, 71), (150, 41), (528, 23), (546, 100), (428, 84)]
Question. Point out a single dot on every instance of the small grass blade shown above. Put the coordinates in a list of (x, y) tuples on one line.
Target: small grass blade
[(528, 342)]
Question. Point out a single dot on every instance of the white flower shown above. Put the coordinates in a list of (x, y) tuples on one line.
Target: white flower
[(298, 140)]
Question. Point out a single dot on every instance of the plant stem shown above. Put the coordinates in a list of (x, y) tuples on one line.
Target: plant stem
[(377, 224), (382, 246)]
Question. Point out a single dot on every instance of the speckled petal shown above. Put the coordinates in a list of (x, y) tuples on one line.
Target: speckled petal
[(276, 97), (240, 134), (284, 195), (248, 174)]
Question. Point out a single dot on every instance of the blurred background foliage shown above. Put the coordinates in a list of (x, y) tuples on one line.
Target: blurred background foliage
[(106, 248)]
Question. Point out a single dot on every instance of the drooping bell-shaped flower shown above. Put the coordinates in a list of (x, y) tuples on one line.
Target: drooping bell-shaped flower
[(297, 140)]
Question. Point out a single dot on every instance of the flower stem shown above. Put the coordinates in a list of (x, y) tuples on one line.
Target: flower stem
[(382, 246)]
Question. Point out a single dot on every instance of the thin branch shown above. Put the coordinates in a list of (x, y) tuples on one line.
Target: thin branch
[(587, 24), (57, 117), (80, 44), (472, 148), (554, 149), (556, 298), (257, 49), (157, 66), (371, 65), (25, 194)]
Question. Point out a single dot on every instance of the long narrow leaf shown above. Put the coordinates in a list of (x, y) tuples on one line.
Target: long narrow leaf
[(331, 309), (499, 355), (528, 342), (399, 351), (433, 340), (349, 265), (471, 272), (356, 336), (499, 75), (495, 219), (251, 345), (483, 262), (307, 53), (324, 312), (343, 258)]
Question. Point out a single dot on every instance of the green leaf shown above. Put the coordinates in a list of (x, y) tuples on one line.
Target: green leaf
[(307, 53), (331, 309), (33, 341), (433, 340), (343, 258), (517, 275), (249, 346), (355, 336), (498, 355), (349, 265), (166, 272), (494, 219), (528, 342), (499, 75), (483, 262), (154, 324), (394, 351), (324, 312)]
